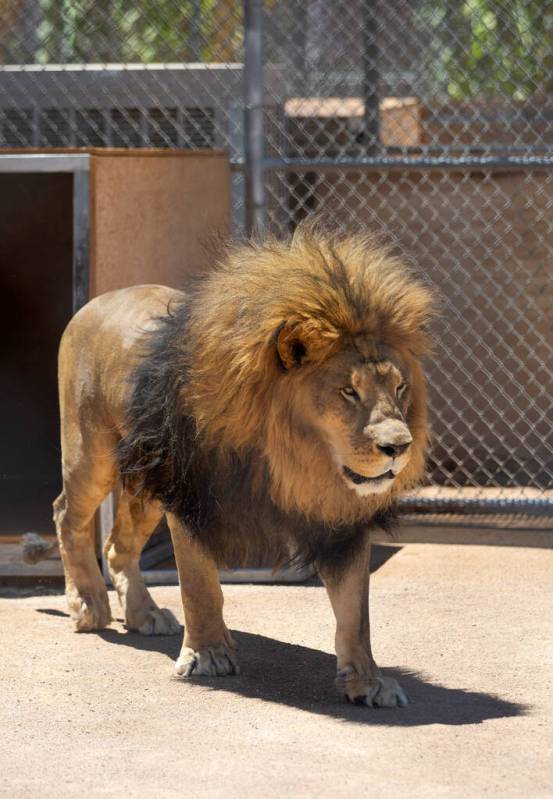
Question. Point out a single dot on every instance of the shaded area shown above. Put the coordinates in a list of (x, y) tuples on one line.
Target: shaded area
[(53, 612), (36, 231), (30, 586), (303, 678), (381, 554)]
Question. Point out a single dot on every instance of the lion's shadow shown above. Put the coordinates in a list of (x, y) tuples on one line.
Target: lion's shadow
[(300, 677)]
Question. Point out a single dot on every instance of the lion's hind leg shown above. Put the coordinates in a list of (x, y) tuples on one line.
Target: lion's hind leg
[(135, 521), (74, 511)]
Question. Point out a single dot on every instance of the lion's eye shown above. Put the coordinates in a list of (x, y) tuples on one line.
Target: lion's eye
[(401, 390), (349, 393)]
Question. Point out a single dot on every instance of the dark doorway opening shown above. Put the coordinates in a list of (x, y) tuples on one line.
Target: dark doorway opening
[(36, 245)]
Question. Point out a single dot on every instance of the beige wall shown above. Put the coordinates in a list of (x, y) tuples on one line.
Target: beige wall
[(153, 215)]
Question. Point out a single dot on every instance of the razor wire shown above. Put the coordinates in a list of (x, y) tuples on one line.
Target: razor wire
[(428, 121)]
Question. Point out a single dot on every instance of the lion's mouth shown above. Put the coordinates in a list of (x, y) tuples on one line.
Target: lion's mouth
[(358, 479)]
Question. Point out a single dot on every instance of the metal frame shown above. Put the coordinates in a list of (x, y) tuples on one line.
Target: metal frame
[(81, 238), (528, 501), (452, 163), (42, 162), (254, 139), (259, 576)]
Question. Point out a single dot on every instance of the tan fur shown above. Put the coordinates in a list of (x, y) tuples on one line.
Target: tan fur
[(275, 333)]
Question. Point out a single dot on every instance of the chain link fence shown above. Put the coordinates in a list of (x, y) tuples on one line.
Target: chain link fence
[(429, 121)]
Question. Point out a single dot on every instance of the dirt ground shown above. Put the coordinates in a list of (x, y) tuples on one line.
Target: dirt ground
[(468, 630)]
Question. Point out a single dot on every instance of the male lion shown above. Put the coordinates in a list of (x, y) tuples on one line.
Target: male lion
[(279, 407)]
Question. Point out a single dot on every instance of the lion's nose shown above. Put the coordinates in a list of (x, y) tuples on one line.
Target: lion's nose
[(393, 450), (391, 437)]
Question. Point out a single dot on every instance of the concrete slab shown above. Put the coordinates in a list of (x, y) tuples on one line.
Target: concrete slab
[(468, 631)]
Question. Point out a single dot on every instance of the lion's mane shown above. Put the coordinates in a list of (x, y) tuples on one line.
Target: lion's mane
[(211, 431)]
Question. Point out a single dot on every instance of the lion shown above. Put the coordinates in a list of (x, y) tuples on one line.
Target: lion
[(277, 407)]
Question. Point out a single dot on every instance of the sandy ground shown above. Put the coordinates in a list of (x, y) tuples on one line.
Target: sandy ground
[(468, 630)]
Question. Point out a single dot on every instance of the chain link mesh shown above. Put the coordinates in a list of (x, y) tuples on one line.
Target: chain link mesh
[(430, 121), (448, 107)]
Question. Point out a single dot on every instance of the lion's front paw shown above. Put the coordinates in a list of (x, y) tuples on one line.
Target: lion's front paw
[(211, 661), (376, 691)]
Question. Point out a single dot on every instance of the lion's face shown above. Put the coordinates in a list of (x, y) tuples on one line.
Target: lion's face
[(360, 407)]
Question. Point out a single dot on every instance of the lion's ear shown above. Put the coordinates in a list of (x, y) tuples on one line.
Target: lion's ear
[(291, 349), (298, 343)]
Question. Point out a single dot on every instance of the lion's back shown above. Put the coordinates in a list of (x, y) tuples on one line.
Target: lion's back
[(101, 346)]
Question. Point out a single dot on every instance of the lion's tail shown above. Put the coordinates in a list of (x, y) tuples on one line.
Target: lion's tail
[(36, 548)]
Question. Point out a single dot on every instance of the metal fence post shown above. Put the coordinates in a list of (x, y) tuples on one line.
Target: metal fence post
[(253, 115), (371, 127)]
